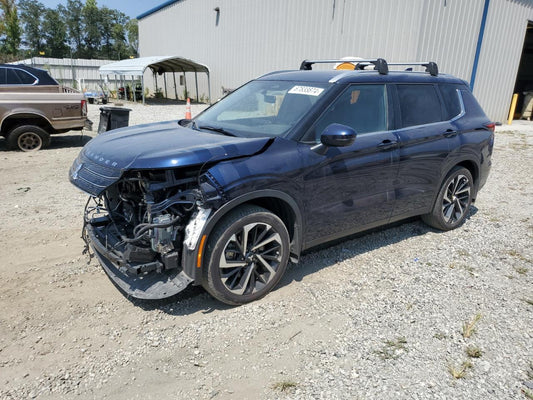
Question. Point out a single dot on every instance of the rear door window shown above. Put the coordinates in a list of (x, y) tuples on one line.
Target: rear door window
[(16, 76), (419, 105), (24, 77), (3, 80)]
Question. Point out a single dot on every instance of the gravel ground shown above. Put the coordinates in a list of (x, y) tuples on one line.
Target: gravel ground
[(386, 315)]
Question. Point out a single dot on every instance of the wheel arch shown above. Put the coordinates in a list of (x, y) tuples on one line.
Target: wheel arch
[(14, 120), (277, 202), (472, 167)]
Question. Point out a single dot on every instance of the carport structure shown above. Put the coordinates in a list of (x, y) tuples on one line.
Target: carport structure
[(161, 65)]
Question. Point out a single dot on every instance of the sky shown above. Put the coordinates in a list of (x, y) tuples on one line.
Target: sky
[(132, 8)]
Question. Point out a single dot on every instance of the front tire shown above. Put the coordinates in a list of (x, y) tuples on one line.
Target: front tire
[(453, 201), (28, 138), (246, 255)]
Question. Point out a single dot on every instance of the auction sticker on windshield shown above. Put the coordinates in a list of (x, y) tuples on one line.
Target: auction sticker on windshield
[(307, 90)]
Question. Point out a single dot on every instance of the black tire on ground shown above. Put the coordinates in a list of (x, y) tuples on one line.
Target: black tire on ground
[(246, 255), (28, 138), (453, 201)]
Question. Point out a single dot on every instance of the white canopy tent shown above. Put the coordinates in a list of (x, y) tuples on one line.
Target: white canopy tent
[(159, 65)]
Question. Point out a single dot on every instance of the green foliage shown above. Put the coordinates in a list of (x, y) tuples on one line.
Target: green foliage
[(55, 34), (72, 30), (10, 31)]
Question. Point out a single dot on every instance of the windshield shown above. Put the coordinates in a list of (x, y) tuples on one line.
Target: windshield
[(261, 108)]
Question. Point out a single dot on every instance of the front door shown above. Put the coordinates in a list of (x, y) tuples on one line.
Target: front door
[(350, 188)]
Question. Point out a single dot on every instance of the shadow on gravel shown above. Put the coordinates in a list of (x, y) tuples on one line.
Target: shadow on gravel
[(59, 142), (195, 299), (325, 255), (68, 141)]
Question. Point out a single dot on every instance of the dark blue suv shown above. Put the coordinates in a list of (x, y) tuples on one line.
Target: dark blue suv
[(286, 162)]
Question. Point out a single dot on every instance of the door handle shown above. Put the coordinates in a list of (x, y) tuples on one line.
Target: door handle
[(450, 133), (388, 144)]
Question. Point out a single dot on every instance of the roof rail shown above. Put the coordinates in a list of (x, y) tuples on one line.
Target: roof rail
[(380, 63), (431, 66)]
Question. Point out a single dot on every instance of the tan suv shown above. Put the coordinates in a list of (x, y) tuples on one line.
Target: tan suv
[(33, 106)]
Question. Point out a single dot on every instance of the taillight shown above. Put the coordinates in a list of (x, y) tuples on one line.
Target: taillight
[(490, 126), (84, 107)]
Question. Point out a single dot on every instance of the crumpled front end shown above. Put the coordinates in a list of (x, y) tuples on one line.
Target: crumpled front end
[(140, 225)]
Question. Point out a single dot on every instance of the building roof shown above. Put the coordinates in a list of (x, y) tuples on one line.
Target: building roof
[(156, 8), (158, 64)]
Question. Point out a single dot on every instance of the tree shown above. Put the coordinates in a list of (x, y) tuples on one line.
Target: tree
[(132, 29), (55, 34), (10, 30), (72, 15), (31, 16), (92, 24)]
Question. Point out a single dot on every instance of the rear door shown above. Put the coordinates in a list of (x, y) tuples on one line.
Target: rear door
[(349, 188), (424, 133)]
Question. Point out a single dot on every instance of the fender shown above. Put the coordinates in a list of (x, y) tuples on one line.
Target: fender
[(189, 259), (450, 164), (24, 114)]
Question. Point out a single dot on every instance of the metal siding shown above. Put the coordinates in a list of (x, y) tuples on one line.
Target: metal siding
[(500, 55), (61, 69), (255, 37)]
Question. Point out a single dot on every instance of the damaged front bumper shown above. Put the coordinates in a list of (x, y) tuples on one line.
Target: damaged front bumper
[(142, 281), (139, 271)]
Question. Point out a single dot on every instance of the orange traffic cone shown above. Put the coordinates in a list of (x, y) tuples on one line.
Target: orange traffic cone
[(188, 114)]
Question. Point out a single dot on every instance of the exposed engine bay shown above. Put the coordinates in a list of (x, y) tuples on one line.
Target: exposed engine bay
[(141, 222)]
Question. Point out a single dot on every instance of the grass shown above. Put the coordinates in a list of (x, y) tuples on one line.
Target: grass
[(393, 349), (521, 270), (469, 328), (284, 386), (528, 393), (516, 254), (460, 371), (473, 351)]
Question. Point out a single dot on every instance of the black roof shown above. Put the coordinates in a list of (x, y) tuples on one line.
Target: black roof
[(43, 78)]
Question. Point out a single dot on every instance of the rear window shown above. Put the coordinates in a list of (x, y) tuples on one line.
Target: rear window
[(419, 105)]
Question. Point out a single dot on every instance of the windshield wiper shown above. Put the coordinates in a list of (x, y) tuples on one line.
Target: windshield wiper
[(215, 129)]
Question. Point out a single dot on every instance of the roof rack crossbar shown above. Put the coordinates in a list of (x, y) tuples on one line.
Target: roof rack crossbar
[(380, 63), (431, 66)]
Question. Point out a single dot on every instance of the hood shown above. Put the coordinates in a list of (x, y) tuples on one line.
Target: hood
[(152, 146), (166, 145)]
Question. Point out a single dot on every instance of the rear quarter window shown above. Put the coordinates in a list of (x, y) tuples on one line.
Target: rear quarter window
[(450, 95), (472, 107), (419, 105)]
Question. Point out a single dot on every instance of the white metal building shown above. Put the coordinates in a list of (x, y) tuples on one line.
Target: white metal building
[(480, 41)]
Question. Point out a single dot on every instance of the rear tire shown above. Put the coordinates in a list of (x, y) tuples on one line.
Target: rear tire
[(453, 201), (246, 255), (28, 138)]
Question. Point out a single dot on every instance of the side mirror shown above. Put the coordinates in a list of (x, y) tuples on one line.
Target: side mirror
[(335, 135)]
